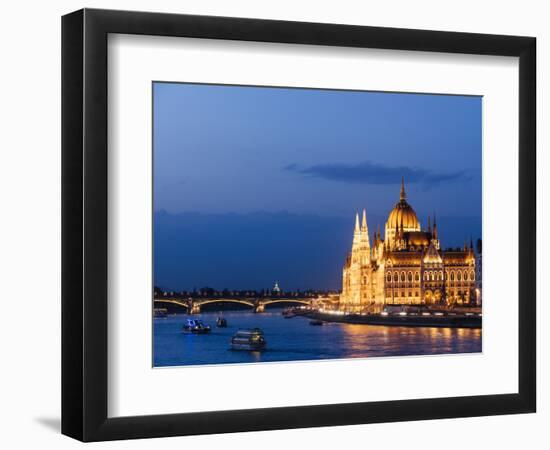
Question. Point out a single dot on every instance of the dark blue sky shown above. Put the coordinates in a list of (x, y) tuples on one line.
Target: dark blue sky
[(275, 174)]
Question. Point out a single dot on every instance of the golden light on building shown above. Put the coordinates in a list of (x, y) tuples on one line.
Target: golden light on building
[(407, 267)]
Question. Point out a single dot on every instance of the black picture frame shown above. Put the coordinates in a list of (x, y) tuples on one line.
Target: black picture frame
[(84, 224)]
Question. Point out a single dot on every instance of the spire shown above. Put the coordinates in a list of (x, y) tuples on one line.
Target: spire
[(356, 231), (435, 229), (429, 225), (365, 230), (402, 195)]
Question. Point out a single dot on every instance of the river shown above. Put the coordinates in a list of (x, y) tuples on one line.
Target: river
[(295, 340)]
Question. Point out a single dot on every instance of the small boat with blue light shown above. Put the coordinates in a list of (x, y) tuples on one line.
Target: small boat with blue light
[(195, 326)]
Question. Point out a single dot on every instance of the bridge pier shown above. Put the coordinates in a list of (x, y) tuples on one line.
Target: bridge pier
[(195, 308), (259, 308)]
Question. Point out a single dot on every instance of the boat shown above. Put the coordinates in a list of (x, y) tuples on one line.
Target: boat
[(221, 322), (316, 322), (251, 340), (196, 326), (160, 312), (288, 313)]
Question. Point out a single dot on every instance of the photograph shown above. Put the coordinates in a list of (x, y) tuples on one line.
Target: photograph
[(301, 224)]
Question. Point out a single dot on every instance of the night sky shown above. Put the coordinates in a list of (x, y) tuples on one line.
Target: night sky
[(255, 184)]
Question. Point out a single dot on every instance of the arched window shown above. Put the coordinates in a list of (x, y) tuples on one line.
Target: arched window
[(459, 276), (431, 276), (466, 276), (388, 277), (403, 277), (410, 276), (472, 275), (452, 276), (395, 277), (417, 276)]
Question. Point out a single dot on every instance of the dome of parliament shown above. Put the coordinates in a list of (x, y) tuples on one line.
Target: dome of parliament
[(402, 214)]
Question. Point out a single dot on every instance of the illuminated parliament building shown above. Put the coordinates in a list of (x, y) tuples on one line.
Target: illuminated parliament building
[(407, 267)]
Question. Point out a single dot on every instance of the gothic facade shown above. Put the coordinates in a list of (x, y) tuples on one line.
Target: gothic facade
[(407, 267)]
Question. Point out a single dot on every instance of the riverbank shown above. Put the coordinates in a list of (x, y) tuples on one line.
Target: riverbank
[(438, 319)]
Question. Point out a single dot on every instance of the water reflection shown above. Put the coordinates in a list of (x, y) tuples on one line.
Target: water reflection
[(294, 339)]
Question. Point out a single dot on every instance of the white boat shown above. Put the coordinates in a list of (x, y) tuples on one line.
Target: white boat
[(160, 312), (251, 340)]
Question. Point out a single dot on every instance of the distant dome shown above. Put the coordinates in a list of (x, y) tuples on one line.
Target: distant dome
[(403, 214)]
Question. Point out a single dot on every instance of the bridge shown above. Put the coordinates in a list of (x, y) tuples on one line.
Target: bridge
[(193, 305)]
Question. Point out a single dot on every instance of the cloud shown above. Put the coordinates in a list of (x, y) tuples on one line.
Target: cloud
[(370, 173)]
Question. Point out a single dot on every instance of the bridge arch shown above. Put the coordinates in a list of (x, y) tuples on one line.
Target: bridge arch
[(224, 300), (181, 303), (286, 300), (172, 301)]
